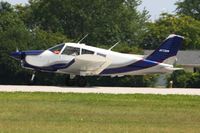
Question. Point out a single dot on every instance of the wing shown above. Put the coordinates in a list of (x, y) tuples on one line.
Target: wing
[(89, 64)]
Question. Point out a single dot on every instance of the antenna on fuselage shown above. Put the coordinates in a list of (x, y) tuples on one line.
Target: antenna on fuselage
[(17, 50), (82, 39), (114, 46)]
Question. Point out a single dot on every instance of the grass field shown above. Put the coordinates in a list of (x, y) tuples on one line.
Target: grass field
[(98, 113)]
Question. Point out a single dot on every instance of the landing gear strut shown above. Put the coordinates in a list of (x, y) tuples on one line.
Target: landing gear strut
[(76, 81), (32, 78)]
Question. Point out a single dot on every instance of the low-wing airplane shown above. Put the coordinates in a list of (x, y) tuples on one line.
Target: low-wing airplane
[(80, 60)]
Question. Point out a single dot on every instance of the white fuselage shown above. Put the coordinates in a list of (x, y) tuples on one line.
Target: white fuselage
[(96, 63), (80, 59)]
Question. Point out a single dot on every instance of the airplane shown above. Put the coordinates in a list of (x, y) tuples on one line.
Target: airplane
[(80, 60)]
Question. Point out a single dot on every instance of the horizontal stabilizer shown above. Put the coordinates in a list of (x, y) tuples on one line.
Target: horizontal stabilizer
[(174, 68)]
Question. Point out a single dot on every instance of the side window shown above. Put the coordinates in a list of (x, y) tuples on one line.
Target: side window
[(103, 55), (71, 51), (85, 51)]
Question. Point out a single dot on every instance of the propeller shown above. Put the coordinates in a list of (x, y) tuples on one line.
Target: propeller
[(22, 54)]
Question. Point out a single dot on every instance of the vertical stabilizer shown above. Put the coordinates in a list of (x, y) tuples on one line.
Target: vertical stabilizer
[(167, 51)]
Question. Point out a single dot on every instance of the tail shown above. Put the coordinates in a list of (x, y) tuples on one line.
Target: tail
[(167, 51)]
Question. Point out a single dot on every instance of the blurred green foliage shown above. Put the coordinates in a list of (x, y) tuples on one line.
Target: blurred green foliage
[(189, 8), (182, 79), (173, 24)]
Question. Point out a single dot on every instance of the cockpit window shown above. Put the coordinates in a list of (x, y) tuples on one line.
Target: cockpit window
[(85, 51), (71, 51), (56, 49)]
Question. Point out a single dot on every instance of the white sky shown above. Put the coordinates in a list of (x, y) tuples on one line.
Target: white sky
[(16, 1), (155, 7)]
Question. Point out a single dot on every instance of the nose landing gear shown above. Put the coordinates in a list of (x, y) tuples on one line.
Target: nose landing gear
[(32, 81)]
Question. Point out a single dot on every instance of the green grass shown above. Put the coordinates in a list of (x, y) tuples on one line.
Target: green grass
[(98, 113)]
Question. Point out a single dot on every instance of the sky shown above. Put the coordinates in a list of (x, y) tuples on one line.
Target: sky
[(155, 7)]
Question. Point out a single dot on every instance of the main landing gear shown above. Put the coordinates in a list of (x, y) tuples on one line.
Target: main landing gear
[(80, 81)]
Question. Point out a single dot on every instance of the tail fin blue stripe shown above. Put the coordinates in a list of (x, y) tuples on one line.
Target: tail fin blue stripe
[(168, 48)]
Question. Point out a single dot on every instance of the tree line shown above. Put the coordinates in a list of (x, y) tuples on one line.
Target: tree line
[(44, 23)]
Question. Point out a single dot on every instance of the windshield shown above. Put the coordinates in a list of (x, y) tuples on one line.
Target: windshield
[(71, 51), (56, 49)]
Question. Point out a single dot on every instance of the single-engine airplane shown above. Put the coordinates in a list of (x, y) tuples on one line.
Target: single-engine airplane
[(80, 60)]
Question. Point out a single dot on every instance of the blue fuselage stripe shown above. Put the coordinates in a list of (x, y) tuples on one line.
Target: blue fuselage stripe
[(139, 65), (54, 67), (33, 52)]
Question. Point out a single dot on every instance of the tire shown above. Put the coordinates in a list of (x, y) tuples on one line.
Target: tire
[(81, 81), (69, 82)]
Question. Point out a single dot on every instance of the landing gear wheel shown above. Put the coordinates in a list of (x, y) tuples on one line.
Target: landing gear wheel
[(76, 81), (81, 81), (69, 82)]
